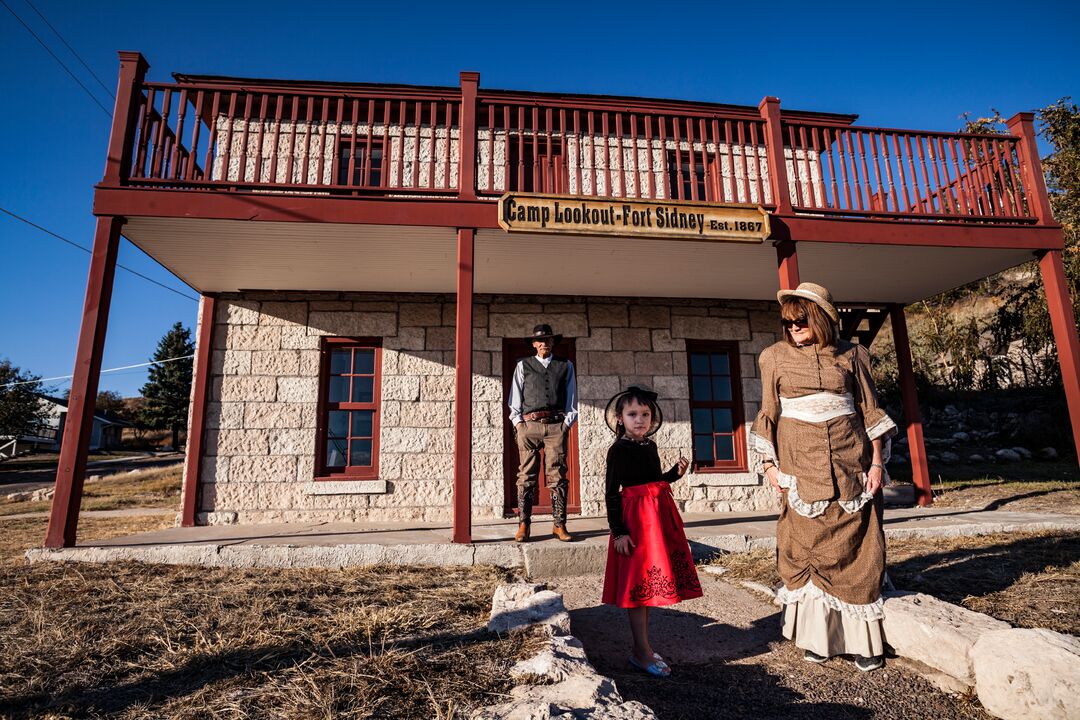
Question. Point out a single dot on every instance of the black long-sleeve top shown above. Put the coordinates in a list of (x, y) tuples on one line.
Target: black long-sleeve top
[(630, 463)]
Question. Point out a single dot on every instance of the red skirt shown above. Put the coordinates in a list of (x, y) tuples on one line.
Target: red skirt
[(660, 569)]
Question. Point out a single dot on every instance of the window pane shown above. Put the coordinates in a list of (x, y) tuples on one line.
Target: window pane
[(699, 363), (363, 389), (721, 388), (702, 420), (339, 389), (361, 452), (703, 448), (722, 421), (335, 452), (720, 364), (364, 362), (340, 360), (725, 447), (338, 426), (701, 389), (361, 423)]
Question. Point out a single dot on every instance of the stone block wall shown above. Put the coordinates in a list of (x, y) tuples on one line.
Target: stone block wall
[(259, 460)]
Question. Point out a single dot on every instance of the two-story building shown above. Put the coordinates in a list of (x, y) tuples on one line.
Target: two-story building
[(371, 256)]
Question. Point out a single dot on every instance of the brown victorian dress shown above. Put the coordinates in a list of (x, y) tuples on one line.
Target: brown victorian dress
[(819, 414)]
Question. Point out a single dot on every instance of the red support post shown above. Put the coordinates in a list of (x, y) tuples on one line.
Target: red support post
[(470, 82), (133, 67), (787, 260), (774, 148), (1064, 324), (1023, 126), (71, 470), (200, 389), (920, 473), (463, 389)]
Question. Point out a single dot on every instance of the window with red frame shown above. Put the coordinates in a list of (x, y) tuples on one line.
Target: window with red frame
[(348, 442), (716, 410)]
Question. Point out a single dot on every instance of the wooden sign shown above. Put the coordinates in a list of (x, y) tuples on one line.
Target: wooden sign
[(562, 214)]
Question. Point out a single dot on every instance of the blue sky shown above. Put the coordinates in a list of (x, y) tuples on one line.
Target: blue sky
[(910, 65)]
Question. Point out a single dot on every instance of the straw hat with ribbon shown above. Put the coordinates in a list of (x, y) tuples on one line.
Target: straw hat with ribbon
[(814, 293), (643, 394)]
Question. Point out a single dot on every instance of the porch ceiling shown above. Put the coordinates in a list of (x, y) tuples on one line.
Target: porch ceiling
[(230, 255)]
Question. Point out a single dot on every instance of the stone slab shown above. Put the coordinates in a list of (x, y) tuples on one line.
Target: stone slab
[(1021, 673)]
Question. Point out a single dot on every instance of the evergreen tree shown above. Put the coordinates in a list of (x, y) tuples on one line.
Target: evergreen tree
[(20, 407), (168, 388)]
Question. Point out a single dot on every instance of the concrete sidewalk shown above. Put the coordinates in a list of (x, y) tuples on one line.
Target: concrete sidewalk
[(336, 545)]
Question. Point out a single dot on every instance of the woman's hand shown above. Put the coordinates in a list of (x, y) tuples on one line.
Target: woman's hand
[(682, 465), (874, 479), (624, 545), (772, 473)]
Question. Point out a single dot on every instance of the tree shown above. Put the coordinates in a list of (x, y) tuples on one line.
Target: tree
[(168, 387), (107, 401), (20, 406)]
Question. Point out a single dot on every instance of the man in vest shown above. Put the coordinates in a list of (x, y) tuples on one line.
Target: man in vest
[(543, 407)]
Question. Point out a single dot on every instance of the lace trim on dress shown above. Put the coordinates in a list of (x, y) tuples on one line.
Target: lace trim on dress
[(868, 612), (882, 426), (818, 407), (811, 509), (760, 451)]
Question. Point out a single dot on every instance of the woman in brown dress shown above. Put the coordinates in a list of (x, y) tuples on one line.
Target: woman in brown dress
[(822, 440)]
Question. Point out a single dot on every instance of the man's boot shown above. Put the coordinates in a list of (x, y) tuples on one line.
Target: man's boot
[(524, 497), (558, 512), (559, 531), (522, 533)]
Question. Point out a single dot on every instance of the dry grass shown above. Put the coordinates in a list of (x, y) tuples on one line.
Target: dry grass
[(998, 494), (1025, 579), (149, 488), (132, 641)]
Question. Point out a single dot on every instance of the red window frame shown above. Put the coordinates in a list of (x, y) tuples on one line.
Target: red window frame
[(325, 407), (738, 434)]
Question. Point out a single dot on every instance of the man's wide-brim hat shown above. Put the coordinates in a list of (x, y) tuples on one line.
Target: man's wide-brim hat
[(814, 293), (644, 395), (544, 332)]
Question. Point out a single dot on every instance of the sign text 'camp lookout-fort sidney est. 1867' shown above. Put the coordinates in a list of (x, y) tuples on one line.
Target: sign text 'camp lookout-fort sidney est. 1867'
[(529, 212)]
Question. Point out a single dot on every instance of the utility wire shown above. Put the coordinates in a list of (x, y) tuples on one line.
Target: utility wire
[(71, 49), (87, 250), (125, 367), (57, 59)]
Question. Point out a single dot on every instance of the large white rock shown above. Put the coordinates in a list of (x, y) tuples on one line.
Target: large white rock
[(1028, 674), (522, 604), (583, 697), (934, 632)]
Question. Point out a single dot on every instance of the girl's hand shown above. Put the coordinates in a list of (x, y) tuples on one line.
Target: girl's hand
[(624, 545), (683, 464), (772, 474), (874, 479)]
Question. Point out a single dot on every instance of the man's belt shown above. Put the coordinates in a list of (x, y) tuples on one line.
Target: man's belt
[(544, 416)]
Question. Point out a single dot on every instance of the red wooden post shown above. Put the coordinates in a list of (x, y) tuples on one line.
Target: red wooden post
[(71, 470), (204, 346), (920, 473), (463, 390), (787, 260), (774, 146), (1064, 324), (470, 81), (133, 67), (1023, 126)]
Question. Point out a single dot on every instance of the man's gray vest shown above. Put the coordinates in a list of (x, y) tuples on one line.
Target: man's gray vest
[(544, 387)]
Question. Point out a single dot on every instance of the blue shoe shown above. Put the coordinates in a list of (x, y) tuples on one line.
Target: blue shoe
[(656, 669)]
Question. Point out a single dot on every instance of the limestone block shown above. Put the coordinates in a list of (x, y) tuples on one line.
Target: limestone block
[(631, 339), (240, 312), (224, 416), (598, 339), (481, 363), (390, 465), (231, 362), (483, 341), (391, 413), (709, 328), (520, 605), (309, 363), (425, 362), (728, 312), (686, 311), (610, 363), (520, 325), (251, 337), (751, 389), (441, 440), (297, 389), (401, 387), (215, 469), (427, 466), (562, 657), (425, 414), (440, 338), (375, 306), (766, 321), (521, 308), (273, 415), (1023, 673), (652, 363), (305, 468), (607, 315), (480, 316), (650, 316), (264, 468), (378, 324), (662, 341), (404, 440), (241, 388), (758, 341), (332, 305), (487, 439), (597, 387), (486, 465), (435, 387), (208, 496), (297, 338), (238, 442), (275, 362), (283, 313), (420, 314), (410, 338), (487, 388), (748, 365), (934, 632), (292, 442), (674, 387)]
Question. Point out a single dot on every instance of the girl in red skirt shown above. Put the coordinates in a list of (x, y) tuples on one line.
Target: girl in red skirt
[(649, 562)]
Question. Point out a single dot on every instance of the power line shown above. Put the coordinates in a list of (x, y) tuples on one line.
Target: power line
[(71, 49), (125, 367), (57, 59), (87, 250)]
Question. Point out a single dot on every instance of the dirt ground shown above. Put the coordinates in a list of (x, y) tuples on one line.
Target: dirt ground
[(729, 661)]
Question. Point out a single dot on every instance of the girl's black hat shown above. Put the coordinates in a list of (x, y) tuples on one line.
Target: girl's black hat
[(643, 394)]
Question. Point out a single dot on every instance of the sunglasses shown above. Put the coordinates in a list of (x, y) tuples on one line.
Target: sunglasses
[(797, 322)]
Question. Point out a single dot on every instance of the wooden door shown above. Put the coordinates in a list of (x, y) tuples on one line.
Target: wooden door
[(515, 349)]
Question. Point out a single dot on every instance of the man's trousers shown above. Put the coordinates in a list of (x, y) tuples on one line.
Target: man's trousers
[(532, 437)]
